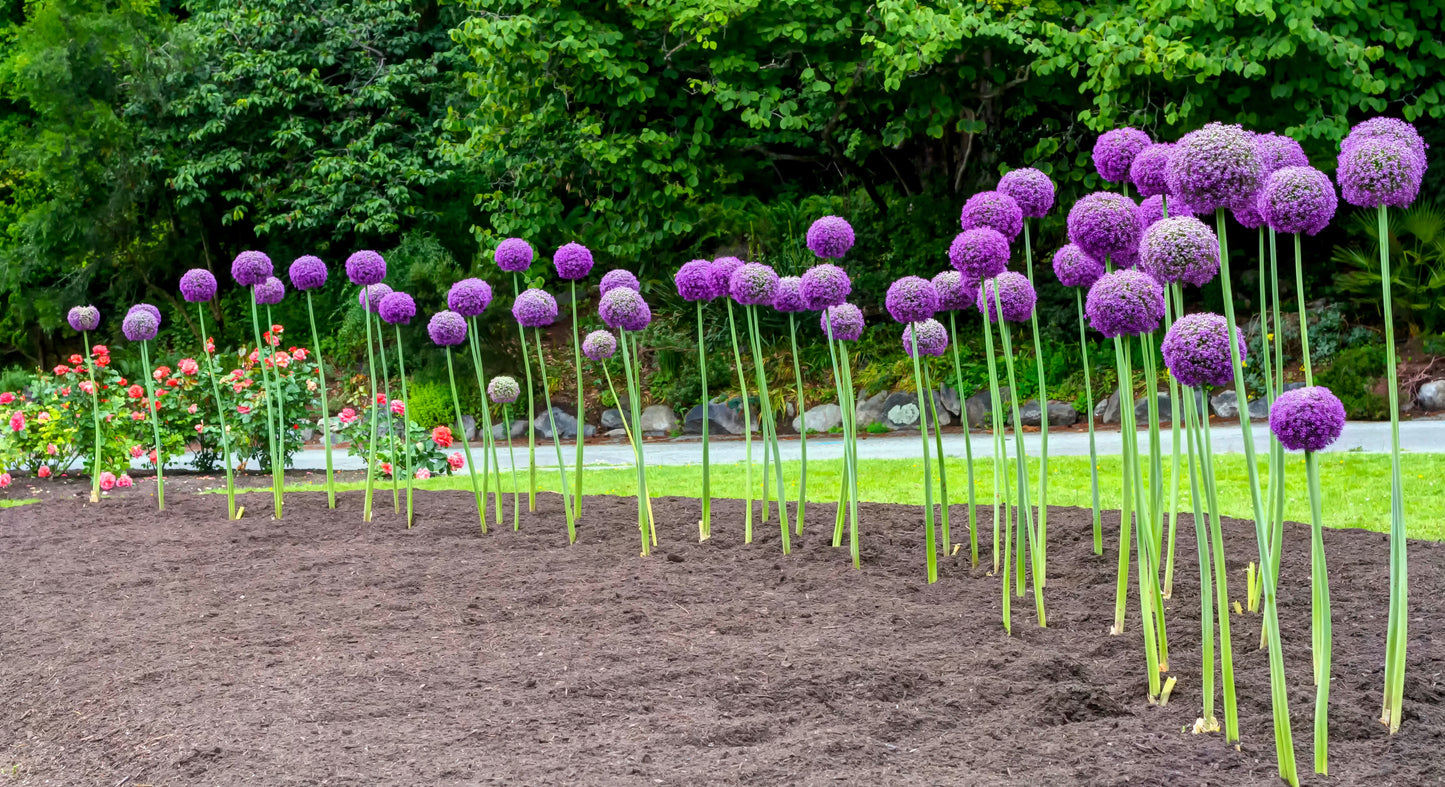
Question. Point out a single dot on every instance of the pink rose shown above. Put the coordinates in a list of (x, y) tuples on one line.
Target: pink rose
[(17, 421), (423, 474), (44, 471), (107, 481), (398, 407), (125, 481), (456, 461)]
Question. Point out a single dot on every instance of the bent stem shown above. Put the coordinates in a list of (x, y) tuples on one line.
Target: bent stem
[(270, 420), (1026, 523), (556, 441), (489, 440), (803, 420), (325, 408), (931, 548), (770, 426), (747, 431), (155, 419), (466, 447), (1089, 415), (221, 418), (1395, 637), (967, 442), (1000, 477), (95, 415), (1043, 528), (531, 408)]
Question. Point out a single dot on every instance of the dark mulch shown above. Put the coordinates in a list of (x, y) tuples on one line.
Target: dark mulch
[(182, 648)]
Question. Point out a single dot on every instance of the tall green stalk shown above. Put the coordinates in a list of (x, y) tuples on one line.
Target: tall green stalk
[(770, 424), (390, 421), (1142, 532), (931, 548), (1206, 583), (581, 411), (802, 419), (221, 418), (556, 441), (276, 489), (278, 459), (705, 524), (1156, 469), (1089, 416), (1175, 417), (516, 488), (1395, 633), (967, 443), (1025, 524), (95, 415), (1043, 526), (466, 447), (531, 408), (1304, 321), (1319, 616), (1000, 476), (155, 419), (406, 426), (1221, 575), (841, 386), (850, 450), (943, 536), (635, 396), (747, 430), (636, 453), (1126, 512), (489, 440), (325, 408)]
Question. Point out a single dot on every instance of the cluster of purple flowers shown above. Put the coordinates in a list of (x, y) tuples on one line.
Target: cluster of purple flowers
[(754, 284), (270, 292), (825, 285), (1115, 151), (535, 308), (251, 268), (1297, 199), (619, 279), (307, 273), (513, 255), (624, 310), (198, 285), (695, 281), (573, 261), (830, 237), (1180, 249), (953, 292), (994, 210), (1381, 163), (789, 297), (139, 325), (364, 268), (447, 328), (979, 254), (397, 308), (1125, 303), (1009, 296), (1196, 350), (1075, 268), (843, 322), (84, 318), (469, 297), (911, 299), (1215, 167), (1149, 170), (1105, 225), (932, 338), (1031, 189), (370, 296), (503, 390), (599, 345), (1307, 419)]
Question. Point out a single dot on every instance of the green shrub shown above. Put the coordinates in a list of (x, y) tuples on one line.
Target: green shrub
[(1352, 377), (431, 404)]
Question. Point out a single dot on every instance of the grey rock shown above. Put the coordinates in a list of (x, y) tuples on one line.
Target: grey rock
[(1258, 410), (945, 418), (588, 430), (1294, 386), (499, 430), (949, 398), (1226, 405), (1141, 407), (870, 410), (1432, 395), (819, 418), (1108, 410), (1029, 413), (469, 428), (619, 432), (307, 434), (1060, 413), (1166, 406), (722, 419), (612, 418), (901, 411), (658, 419), (980, 405), (566, 424)]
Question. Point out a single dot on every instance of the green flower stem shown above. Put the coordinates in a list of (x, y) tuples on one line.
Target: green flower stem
[(390, 421), (1089, 416), (516, 488), (1142, 531), (634, 395), (276, 489), (278, 462), (946, 544), (1205, 448), (155, 419), (1000, 477), (489, 441), (1395, 632), (221, 416), (1304, 321), (581, 411), (556, 441), (1279, 695), (1036, 551), (747, 430), (1319, 616), (406, 425), (466, 447), (325, 408), (850, 450), (802, 419), (1272, 391), (1175, 417), (641, 450), (931, 548), (1156, 469), (967, 442), (705, 524), (1043, 527), (1206, 586), (840, 515), (531, 408), (95, 415), (1126, 512), (636, 452), (770, 426)]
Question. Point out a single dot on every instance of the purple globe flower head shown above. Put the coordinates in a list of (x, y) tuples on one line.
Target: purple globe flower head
[(1149, 172), (993, 210), (695, 281), (1009, 295), (1180, 249), (830, 237), (954, 292), (620, 278), (251, 268), (1075, 268), (1277, 151), (1116, 150), (624, 310), (1196, 350), (469, 297), (1105, 225), (371, 296), (365, 268), (573, 261), (789, 297), (932, 338), (1298, 199), (148, 309), (84, 318), (911, 299), (1379, 171), (139, 325), (447, 328), (397, 308), (503, 390), (825, 285), (599, 345), (1246, 212), (198, 285), (844, 320), (754, 284), (1389, 128), (514, 255), (307, 273), (535, 308), (1125, 303), (1215, 167), (722, 273), (979, 254), (270, 292), (1307, 419), (1031, 189), (1152, 208)]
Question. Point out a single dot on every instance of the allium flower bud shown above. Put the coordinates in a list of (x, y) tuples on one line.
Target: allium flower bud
[(624, 310), (503, 390), (599, 345), (932, 337)]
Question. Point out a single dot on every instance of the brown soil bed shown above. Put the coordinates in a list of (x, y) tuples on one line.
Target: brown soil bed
[(181, 648)]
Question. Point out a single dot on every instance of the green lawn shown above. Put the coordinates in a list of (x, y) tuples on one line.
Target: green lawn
[(13, 503), (1356, 486)]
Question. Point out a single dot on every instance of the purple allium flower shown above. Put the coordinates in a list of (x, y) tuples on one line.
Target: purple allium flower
[(139, 325), (1149, 173), (1215, 167), (535, 308), (1075, 268), (789, 297), (993, 210), (270, 292), (397, 308), (469, 297), (1196, 350), (1030, 188), (503, 390), (1379, 171), (1125, 303), (1307, 419), (1151, 210), (84, 318), (1246, 212), (979, 254), (695, 281), (148, 309), (954, 292), (599, 345), (620, 278), (251, 268), (911, 299), (198, 285), (846, 322), (1115, 152), (1389, 128), (624, 310), (1180, 248), (1009, 295), (825, 285), (1298, 199), (573, 261), (307, 273), (830, 237), (754, 284), (932, 337), (513, 254), (1277, 151), (371, 296), (365, 267), (722, 273), (1104, 225), (447, 328)]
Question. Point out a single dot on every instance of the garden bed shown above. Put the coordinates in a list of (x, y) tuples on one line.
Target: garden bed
[(182, 648)]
